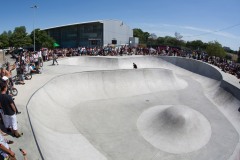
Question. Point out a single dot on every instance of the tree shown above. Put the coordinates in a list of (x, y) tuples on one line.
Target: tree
[(229, 50), (215, 49), (42, 39), (168, 41), (20, 38), (160, 40), (152, 39), (153, 36), (178, 36), (146, 37), (138, 33), (179, 42), (196, 45), (9, 33), (4, 40), (143, 36)]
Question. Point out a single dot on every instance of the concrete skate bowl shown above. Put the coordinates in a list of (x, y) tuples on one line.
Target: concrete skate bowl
[(124, 114), (116, 63)]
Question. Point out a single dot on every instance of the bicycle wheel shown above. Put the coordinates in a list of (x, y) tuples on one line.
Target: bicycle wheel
[(14, 91), (28, 76)]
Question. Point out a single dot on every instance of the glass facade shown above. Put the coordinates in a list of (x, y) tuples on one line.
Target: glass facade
[(87, 35)]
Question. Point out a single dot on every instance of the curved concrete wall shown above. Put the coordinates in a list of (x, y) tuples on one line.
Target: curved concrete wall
[(235, 91), (207, 70), (195, 66)]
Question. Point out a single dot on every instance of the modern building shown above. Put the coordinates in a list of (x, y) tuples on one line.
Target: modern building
[(91, 34)]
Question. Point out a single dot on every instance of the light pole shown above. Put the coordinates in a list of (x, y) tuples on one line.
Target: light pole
[(34, 7)]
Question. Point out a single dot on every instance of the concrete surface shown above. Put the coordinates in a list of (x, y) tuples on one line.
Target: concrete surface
[(174, 129), (100, 108)]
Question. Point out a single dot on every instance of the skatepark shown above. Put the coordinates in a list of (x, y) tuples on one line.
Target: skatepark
[(99, 108)]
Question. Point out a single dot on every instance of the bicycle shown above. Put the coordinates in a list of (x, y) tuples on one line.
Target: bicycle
[(27, 76), (13, 91)]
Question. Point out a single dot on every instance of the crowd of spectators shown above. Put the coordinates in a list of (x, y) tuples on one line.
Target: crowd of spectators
[(8, 108), (29, 61), (225, 65)]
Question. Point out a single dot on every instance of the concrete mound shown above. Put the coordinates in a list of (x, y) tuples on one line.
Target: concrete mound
[(174, 129)]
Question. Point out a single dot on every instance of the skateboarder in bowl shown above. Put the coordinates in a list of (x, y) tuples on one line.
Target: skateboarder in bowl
[(134, 66)]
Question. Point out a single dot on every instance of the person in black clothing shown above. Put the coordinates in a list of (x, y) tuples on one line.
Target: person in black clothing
[(6, 81), (9, 110), (134, 66)]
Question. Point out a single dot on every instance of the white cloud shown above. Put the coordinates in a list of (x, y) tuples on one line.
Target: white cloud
[(207, 31), (195, 28)]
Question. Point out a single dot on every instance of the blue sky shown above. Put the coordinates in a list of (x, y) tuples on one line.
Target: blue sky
[(163, 17)]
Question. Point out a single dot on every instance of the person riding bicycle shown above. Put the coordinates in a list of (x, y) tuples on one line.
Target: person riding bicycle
[(4, 72), (10, 68), (8, 74)]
